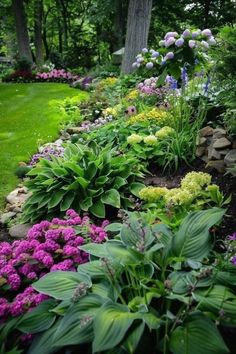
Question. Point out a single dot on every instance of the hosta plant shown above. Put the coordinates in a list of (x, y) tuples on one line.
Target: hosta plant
[(85, 179), (147, 290)]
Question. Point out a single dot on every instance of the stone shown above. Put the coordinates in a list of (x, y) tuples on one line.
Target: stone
[(74, 130), (221, 143), (19, 231), (217, 165), (18, 196), (204, 158), (213, 154), (224, 152), (230, 158), (219, 133), (201, 141), (5, 217), (206, 131), (200, 151), (234, 144)]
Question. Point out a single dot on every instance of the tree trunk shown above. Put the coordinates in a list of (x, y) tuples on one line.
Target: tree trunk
[(139, 18), (118, 25), (38, 37), (21, 30)]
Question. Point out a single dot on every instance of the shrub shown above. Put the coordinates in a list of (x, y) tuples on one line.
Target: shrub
[(85, 178)]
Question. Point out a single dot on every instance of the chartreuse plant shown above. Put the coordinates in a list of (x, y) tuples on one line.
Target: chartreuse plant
[(85, 179), (195, 192), (148, 290)]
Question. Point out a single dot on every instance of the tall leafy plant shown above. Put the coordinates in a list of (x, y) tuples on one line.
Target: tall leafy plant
[(148, 289)]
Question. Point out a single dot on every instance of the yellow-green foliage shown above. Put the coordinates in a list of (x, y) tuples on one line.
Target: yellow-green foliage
[(107, 82), (134, 139), (192, 185), (155, 115), (164, 132), (112, 111), (132, 95)]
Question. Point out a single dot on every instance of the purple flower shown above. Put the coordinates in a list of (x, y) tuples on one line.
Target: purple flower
[(195, 34), (179, 42), (155, 54), (169, 42), (134, 65), (144, 50), (186, 33), (233, 260), (169, 55), (206, 32), (192, 43), (14, 281), (205, 44), (149, 65), (232, 237), (140, 60)]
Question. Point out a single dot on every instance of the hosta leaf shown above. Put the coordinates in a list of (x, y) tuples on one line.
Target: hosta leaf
[(136, 187), (121, 254), (86, 203), (56, 198), (59, 172), (193, 239), (39, 319), (114, 227), (60, 285), (67, 200), (111, 324), (133, 339), (76, 326), (119, 182), (95, 249), (111, 197), (83, 182), (198, 335), (91, 171), (219, 298), (98, 209)]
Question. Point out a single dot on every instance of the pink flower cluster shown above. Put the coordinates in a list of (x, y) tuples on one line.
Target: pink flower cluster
[(57, 75), (149, 88), (49, 246)]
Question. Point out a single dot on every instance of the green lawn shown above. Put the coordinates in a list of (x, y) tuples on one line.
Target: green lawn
[(26, 118)]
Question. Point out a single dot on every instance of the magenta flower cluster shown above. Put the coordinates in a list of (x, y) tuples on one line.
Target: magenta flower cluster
[(57, 75), (46, 153), (49, 246)]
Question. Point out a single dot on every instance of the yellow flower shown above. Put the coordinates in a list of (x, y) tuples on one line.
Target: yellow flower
[(134, 139), (178, 196), (153, 194), (150, 140), (112, 111), (164, 132), (195, 181), (132, 95), (108, 81), (155, 115)]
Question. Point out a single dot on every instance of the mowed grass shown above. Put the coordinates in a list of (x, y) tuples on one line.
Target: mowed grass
[(27, 118)]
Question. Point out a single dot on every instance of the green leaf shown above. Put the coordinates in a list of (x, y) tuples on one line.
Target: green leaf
[(193, 239), (67, 200), (136, 187), (59, 172), (133, 339), (198, 335), (219, 298), (98, 209), (111, 324), (114, 227), (111, 197), (60, 285), (56, 198), (39, 319), (121, 254), (82, 182), (119, 182), (95, 249), (76, 326), (86, 203), (91, 171)]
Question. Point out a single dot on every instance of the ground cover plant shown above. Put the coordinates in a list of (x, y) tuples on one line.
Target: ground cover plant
[(26, 120)]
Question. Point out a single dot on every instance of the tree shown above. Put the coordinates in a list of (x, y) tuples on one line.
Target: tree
[(21, 30), (139, 18), (38, 39)]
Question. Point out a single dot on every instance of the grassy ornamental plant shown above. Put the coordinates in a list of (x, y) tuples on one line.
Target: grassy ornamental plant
[(148, 290)]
